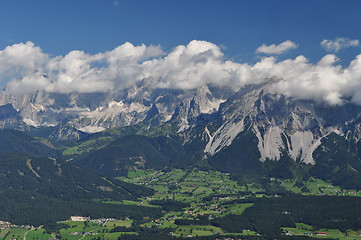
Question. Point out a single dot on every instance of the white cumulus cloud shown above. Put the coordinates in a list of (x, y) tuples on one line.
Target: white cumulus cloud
[(277, 49), (185, 67), (21, 58), (76, 71), (339, 43)]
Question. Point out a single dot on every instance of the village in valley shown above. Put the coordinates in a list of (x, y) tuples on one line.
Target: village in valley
[(183, 195)]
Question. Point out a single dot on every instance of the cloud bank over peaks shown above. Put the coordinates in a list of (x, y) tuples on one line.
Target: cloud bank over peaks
[(77, 71), (338, 44), (185, 67), (277, 49)]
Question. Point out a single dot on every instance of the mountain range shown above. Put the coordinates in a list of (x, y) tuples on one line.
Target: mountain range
[(251, 130)]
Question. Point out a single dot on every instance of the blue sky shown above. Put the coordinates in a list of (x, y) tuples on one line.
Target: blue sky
[(59, 26)]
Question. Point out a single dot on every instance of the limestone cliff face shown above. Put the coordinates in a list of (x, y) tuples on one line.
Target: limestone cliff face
[(282, 125)]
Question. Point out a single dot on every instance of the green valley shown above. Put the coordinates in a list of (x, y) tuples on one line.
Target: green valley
[(210, 205)]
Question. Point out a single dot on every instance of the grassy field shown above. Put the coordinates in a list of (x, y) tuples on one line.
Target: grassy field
[(128, 202), (197, 230), (119, 223), (88, 146), (94, 229), (17, 233), (318, 187), (306, 230), (239, 208), (38, 234), (3, 233)]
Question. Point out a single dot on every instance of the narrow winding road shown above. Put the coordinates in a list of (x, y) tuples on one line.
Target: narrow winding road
[(27, 232)]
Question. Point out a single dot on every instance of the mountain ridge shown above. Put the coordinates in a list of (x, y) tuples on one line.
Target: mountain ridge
[(206, 121)]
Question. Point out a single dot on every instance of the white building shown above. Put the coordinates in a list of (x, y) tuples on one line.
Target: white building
[(79, 218)]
